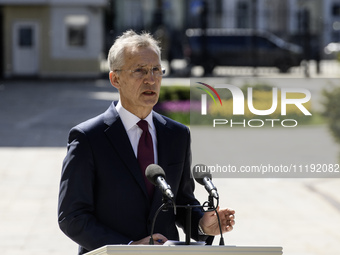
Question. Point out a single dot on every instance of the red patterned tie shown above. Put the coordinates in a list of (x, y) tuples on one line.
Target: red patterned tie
[(145, 155)]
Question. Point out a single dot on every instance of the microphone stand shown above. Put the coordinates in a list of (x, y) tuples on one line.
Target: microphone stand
[(219, 224), (210, 205), (166, 202), (188, 210), (170, 203)]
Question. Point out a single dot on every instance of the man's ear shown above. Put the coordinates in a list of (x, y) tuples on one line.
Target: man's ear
[(114, 79)]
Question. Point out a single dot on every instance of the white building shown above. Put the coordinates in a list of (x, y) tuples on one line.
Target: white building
[(52, 38)]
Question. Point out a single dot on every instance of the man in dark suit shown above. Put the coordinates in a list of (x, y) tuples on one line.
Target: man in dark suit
[(104, 196)]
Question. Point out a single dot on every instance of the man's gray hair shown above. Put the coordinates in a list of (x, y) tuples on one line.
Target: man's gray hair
[(130, 39)]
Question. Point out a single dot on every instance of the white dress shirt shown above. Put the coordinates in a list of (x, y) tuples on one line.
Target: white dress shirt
[(134, 132)]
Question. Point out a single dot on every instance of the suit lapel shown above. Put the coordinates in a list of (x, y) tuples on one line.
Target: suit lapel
[(120, 141), (162, 141)]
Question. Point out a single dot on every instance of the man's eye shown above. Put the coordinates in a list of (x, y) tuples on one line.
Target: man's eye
[(139, 70)]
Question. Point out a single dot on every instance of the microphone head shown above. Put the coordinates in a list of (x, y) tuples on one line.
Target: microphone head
[(152, 172), (200, 171)]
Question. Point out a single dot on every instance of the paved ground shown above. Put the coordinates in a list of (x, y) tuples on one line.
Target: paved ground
[(301, 215)]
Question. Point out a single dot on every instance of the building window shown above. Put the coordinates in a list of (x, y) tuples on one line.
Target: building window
[(25, 36), (336, 9), (335, 36), (76, 30), (242, 15)]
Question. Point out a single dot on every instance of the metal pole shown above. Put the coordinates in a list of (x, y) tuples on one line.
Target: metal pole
[(188, 225)]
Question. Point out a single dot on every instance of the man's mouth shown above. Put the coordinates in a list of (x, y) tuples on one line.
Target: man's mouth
[(149, 93)]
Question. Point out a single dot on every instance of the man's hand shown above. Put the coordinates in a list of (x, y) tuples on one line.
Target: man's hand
[(158, 239), (209, 222)]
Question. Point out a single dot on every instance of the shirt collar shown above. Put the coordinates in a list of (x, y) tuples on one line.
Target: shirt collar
[(130, 120)]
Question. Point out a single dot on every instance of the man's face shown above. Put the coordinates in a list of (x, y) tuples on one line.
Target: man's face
[(138, 94)]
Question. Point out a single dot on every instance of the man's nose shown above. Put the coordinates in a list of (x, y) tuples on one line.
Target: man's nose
[(150, 77)]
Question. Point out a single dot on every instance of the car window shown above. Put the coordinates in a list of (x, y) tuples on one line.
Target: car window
[(264, 43)]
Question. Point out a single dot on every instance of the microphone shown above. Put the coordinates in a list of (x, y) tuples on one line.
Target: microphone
[(156, 175), (203, 176)]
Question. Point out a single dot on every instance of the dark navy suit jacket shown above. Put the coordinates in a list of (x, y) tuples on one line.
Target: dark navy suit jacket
[(103, 198)]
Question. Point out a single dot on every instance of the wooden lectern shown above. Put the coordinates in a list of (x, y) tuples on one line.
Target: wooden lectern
[(185, 250)]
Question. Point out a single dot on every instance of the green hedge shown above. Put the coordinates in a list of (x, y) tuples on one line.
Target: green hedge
[(174, 93), (332, 110)]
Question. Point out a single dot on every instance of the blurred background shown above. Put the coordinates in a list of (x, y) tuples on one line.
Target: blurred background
[(54, 75), (49, 38)]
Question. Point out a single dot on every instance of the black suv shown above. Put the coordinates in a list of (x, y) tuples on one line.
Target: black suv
[(240, 47)]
